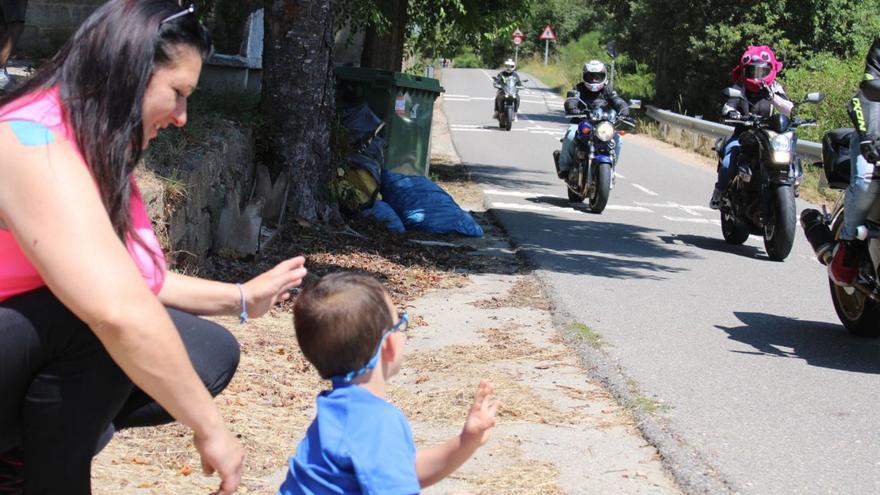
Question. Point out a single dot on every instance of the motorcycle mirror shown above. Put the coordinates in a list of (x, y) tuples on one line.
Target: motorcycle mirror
[(732, 93), (814, 97), (611, 49), (571, 94), (635, 104), (525, 80)]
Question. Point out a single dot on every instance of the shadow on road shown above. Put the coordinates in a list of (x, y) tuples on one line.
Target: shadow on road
[(502, 176), (819, 344), (592, 247), (716, 244)]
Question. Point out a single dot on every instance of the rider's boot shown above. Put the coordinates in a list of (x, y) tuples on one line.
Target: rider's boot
[(715, 201), (844, 264), (559, 173)]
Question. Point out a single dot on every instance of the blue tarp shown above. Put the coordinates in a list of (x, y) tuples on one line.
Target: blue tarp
[(424, 206), (384, 213)]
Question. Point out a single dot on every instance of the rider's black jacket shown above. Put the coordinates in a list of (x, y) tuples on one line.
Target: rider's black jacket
[(864, 108), (597, 99)]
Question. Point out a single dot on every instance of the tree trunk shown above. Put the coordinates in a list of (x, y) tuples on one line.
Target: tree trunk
[(385, 51), (298, 101)]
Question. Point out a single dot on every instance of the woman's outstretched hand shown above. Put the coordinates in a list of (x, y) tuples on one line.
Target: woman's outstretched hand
[(264, 290), (223, 454)]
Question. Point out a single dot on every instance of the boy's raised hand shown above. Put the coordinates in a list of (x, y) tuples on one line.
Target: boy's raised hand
[(481, 417)]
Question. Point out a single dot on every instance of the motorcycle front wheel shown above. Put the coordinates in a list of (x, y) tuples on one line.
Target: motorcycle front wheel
[(601, 188), (509, 120), (858, 313), (780, 227), (734, 230)]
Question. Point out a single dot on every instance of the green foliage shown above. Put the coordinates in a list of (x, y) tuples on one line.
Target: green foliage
[(837, 78), (466, 58)]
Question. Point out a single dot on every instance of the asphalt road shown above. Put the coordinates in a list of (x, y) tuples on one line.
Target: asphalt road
[(747, 354)]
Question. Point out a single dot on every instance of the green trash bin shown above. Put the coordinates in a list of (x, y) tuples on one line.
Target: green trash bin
[(405, 104)]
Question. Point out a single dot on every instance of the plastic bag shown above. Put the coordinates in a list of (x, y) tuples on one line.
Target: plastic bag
[(384, 213), (424, 206)]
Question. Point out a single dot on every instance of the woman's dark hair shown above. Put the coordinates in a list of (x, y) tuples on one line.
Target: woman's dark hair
[(339, 321), (102, 73)]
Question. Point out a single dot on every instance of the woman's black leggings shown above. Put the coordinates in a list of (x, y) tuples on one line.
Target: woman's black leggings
[(61, 395)]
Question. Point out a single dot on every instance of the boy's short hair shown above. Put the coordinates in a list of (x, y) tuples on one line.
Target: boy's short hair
[(339, 321)]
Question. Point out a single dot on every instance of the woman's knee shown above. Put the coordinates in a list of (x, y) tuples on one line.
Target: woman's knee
[(213, 350)]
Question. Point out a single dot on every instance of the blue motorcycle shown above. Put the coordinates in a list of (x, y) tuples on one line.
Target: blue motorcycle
[(594, 153)]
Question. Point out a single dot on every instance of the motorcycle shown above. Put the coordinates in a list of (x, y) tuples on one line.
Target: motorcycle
[(858, 306), (591, 174), (761, 197), (508, 92)]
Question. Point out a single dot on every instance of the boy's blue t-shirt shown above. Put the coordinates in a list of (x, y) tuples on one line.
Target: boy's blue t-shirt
[(358, 443)]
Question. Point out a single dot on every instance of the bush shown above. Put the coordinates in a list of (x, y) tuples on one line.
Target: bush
[(631, 79), (466, 58), (838, 79)]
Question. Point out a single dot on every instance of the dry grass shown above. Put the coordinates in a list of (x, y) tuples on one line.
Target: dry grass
[(526, 293), (520, 477), (268, 405)]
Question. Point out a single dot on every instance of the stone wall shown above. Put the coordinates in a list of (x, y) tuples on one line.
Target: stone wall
[(48, 24), (185, 198)]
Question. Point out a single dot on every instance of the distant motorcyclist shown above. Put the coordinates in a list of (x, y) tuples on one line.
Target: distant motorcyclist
[(501, 79), (593, 92), (755, 77), (864, 148)]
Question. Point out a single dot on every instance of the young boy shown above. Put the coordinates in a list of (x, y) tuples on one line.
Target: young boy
[(347, 327)]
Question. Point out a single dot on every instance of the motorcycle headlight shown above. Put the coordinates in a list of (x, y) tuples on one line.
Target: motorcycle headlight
[(605, 131), (781, 147), (781, 142)]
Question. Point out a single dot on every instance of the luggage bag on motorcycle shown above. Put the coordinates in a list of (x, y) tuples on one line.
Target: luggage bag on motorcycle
[(835, 157)]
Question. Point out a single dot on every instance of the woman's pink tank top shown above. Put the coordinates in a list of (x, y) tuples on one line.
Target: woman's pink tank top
[(17, 274)]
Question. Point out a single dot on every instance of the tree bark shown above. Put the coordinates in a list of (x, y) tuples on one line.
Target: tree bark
[(298, 101), (385, 51)]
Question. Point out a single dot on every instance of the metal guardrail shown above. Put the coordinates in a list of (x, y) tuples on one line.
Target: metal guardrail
[(807, 149)]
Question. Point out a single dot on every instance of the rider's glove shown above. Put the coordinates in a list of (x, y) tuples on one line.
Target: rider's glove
[(870, 150), (733, 115), (571, 106)]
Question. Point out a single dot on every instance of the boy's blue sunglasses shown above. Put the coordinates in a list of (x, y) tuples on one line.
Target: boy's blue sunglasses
[(402, 325)]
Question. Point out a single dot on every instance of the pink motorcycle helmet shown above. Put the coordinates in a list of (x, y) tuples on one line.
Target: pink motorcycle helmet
[(757, 65)]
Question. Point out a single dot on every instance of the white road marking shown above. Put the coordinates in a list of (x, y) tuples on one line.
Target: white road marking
[(472, 130), (693, 220), (496, 192), (690, 210), (628, 208), (645, 190), (518, 206), (619, 176)]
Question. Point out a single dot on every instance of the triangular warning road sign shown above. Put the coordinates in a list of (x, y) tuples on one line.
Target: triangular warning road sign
[(548, 33)]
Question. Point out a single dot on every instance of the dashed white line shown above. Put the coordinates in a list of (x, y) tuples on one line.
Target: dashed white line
[(517, 206), (517, 194), (645, 190), (693, 220), (690, 210), (628, 208)]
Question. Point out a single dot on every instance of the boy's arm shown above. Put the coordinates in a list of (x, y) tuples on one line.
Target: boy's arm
[(435, 463)]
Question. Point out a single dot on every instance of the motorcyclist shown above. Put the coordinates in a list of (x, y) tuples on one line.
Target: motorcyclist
[(755, 77), (864, 111), (593, 92), (501, 79)]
